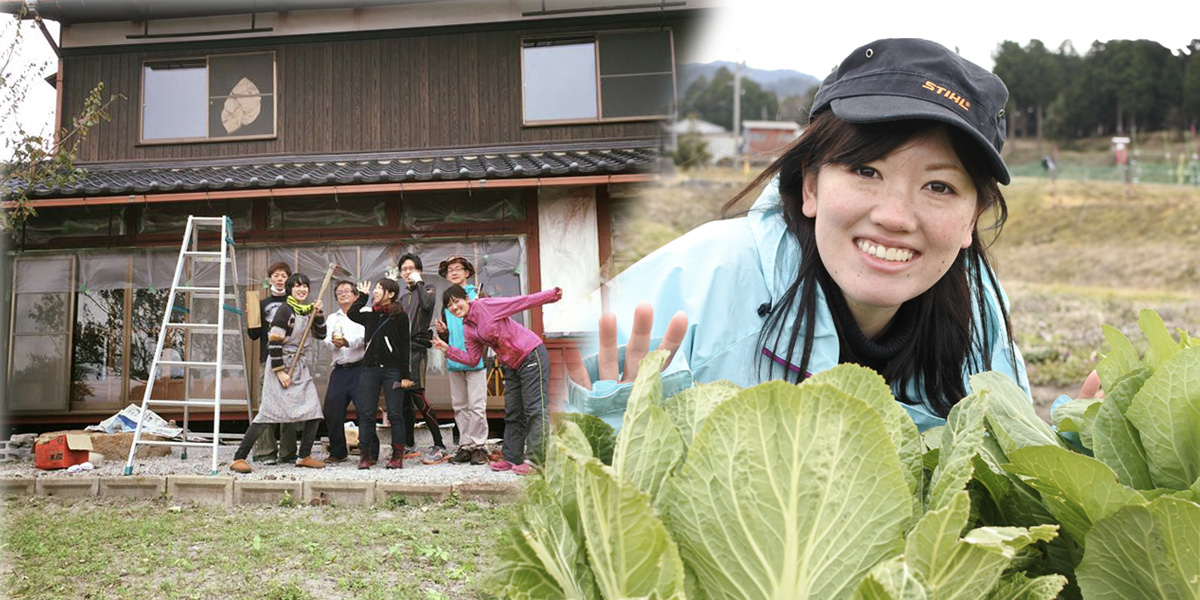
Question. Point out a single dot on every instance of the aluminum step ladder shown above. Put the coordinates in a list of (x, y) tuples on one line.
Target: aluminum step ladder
[(206, 315)]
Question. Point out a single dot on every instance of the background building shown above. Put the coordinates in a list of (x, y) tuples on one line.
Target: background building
[(502, 131)]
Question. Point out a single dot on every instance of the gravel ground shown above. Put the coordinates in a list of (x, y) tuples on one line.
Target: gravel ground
[(199, 462)]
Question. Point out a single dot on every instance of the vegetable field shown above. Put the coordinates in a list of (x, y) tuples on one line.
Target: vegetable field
[(826, 490)]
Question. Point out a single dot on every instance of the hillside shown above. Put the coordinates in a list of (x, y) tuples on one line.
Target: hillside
[(784, 82)]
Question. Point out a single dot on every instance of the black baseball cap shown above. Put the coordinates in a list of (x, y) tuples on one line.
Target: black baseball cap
[(905, 78)]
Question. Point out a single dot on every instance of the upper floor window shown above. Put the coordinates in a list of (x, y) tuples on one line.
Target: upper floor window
[(602, 77), (220, 97)]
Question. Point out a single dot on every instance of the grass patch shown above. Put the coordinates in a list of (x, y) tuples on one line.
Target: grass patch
[(88, 549)]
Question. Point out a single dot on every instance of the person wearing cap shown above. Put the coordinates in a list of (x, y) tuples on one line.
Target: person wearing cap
[(418, 299), (468, 383), (864, 247)]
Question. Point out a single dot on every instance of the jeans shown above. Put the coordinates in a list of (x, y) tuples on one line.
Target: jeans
[(526, 407), (342, 390), (366, 402)]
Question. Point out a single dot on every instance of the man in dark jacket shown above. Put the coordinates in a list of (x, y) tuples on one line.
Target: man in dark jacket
[(418, 299)]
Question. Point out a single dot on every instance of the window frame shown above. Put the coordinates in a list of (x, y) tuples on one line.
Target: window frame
[(142, 140), (63, 403), (594, 37)]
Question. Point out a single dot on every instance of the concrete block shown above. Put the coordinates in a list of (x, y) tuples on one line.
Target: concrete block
[(266, 492), (133, 487), (413, 493), (200, 489), (489, 491), (339, 493), (67, 487), (17, 486)]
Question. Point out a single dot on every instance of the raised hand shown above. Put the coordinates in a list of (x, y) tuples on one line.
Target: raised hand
[(636, 348)]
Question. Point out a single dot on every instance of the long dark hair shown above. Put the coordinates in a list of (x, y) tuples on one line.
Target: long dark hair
[(390, 285), (942, 347)]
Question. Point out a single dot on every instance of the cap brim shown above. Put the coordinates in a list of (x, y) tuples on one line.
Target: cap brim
[(880, 108)]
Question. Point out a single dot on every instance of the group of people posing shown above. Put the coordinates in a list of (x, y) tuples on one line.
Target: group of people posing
[(379, 336)]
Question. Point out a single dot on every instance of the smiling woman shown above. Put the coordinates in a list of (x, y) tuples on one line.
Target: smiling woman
[(863, 248)]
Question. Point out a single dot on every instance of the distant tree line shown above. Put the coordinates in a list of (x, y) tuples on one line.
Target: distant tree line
[(712, 100), (1119, 87)]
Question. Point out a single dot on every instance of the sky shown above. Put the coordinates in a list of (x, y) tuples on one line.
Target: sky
[(812, 37), (36, 113)]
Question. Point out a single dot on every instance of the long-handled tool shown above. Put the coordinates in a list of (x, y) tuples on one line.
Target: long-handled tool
[(304, 336)]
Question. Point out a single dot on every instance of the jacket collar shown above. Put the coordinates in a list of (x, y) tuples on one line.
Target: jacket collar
[(779, 255)]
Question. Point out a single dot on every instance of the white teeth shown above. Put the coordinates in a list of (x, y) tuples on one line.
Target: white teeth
[(890, 254)]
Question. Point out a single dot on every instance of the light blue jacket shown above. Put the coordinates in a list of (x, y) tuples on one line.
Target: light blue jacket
[(454, 330), (720, 274)]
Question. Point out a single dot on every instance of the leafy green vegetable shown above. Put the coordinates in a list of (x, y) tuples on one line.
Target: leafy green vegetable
[(1115, 441), (1010, 415), (1166, 413), (1078, 490), (1144, 551), (599, 435), (826, 490), (788, 493), (631, 553), (962, 438)]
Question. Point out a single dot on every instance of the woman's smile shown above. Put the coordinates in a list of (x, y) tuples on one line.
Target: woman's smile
[(887, 231)]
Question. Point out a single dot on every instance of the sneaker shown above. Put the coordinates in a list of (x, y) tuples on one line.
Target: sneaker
[(523, 469), (411, 452), (288, 460), (240, 466), (461, 456), (366, 463), (267, 459), (395, 463), (479, 456), (435, 456), (309, 462), (333, 460), (502, 465)]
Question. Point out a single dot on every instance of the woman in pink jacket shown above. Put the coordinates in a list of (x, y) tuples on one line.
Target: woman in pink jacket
[(487, 323)]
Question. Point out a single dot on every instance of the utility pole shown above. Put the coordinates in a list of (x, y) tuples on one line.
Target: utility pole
[(737, 108)]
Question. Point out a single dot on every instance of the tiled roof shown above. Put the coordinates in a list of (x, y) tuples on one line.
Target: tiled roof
[(304, 171)]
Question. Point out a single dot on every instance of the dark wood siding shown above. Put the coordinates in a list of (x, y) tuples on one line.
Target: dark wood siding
[(408, 92)]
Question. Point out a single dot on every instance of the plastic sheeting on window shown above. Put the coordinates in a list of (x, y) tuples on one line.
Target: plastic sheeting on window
[(172, 217), (50, 224), (569, 247), (425, 210), (353, 211), (48, 273)]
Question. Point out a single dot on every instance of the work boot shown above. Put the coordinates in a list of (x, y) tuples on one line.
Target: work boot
[(309, 462), (366, 463), (240, 466)]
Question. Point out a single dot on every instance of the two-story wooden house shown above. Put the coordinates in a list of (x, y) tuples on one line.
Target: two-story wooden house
[(504, 131)]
